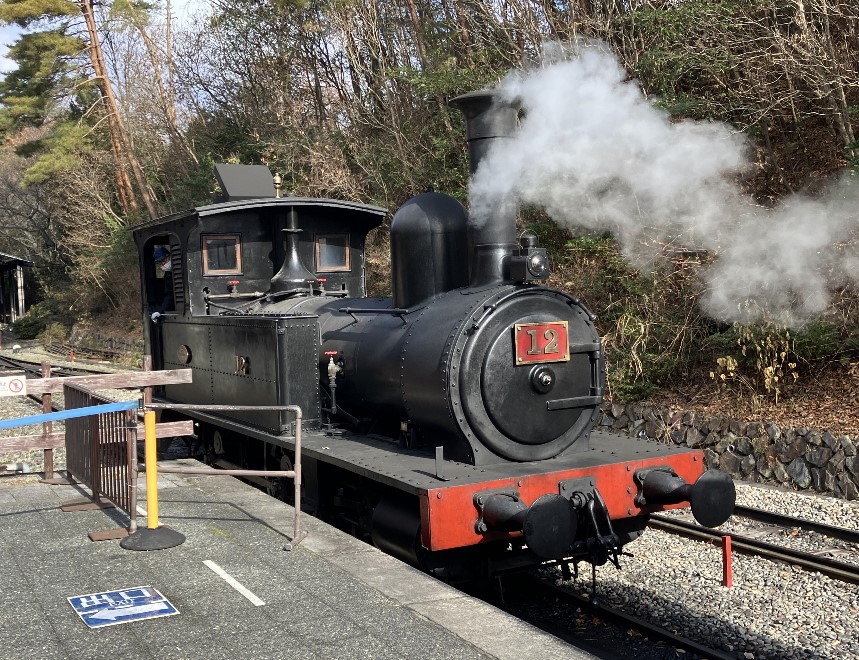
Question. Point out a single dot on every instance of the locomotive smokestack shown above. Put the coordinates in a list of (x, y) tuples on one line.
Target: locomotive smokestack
[(493, 237)]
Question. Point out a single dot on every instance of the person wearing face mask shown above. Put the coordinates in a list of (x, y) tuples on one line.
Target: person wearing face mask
[(163, 263)]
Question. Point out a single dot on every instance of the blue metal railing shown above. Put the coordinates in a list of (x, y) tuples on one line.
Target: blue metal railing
[(68, 414)]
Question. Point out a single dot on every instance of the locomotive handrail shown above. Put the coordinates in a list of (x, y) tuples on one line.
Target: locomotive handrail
[(393, 311), (238, 294)]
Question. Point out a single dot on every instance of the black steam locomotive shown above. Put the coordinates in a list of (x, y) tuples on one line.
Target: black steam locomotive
[(452, 423)]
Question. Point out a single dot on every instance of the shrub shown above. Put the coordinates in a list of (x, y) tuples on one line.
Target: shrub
[(54, 333), (650, 322), (28, 326)]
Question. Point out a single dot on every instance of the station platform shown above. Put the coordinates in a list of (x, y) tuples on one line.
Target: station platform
[(237, 593)]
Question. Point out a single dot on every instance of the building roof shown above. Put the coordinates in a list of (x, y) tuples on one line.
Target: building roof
[(11, 259)]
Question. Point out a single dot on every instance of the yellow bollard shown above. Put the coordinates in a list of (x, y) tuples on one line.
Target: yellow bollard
[(151, 456), (152, 537)]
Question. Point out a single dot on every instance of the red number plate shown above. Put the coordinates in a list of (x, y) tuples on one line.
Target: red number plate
[(542, 342)]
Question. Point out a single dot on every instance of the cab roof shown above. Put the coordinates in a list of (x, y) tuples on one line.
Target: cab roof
[(373, 214)]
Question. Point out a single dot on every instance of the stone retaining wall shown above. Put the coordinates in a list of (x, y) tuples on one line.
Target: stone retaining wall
[(91, 338), (751, 451)]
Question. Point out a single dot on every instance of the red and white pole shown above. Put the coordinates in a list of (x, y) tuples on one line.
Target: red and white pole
[(727, 558)]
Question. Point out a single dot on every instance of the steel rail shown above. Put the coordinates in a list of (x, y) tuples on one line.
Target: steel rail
[(19, 365), (830, 567), (35, 368), (83, 351), (771, 518), (650, 630)]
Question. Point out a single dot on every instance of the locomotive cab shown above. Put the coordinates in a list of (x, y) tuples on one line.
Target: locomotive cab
[(226, 261)]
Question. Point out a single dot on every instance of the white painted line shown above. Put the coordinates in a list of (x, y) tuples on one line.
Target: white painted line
[(234, 583)]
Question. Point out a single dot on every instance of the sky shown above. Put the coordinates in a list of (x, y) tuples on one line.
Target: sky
[(8, 36)]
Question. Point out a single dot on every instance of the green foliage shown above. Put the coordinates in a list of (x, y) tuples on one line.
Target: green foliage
[(820, 342), (132, 11), (753, 348), (115, 293), (26, 12), (686, 57), (654, 335), (54, 333), (59, 150), (614, 280), (34, 322), (852, 151), (767, 360), (28, 326), (29, 93), (195, 186)]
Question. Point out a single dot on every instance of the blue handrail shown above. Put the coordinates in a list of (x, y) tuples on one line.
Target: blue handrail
[(68, 414)]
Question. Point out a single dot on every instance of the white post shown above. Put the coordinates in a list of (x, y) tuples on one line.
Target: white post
[(19, 278), (12, 309)]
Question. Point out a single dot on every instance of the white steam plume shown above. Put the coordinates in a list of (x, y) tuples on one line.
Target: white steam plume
[(595, 153)]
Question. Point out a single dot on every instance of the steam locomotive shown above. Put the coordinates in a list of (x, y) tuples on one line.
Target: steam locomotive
[(451, 424)]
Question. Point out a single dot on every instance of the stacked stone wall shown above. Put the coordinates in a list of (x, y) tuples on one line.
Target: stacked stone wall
[(752, 451), (91, 338)]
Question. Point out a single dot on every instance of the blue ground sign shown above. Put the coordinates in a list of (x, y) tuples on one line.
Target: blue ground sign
[(112, 607)]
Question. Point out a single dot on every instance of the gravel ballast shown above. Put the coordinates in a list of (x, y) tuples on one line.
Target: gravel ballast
[(773, 610)]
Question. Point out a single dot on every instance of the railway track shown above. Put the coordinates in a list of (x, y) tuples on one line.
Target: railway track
[(610, 630), (82, 352), (544, 587), (788, 522), (34, 369), (812, 561)]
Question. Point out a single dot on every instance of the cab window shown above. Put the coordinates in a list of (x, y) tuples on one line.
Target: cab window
[(222, 254), (332, 252)]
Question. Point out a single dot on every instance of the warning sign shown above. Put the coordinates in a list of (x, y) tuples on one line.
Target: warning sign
[(13, 385)]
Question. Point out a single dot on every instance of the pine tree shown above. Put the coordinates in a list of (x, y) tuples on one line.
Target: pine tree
[(55, 64)]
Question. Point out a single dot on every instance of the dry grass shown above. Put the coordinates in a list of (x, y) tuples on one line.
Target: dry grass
[(825, 401)]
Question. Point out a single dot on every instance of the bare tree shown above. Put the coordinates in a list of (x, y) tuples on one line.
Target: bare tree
[(120, 141)]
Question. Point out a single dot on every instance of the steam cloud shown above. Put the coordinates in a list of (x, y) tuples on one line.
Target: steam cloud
[(596, 154)]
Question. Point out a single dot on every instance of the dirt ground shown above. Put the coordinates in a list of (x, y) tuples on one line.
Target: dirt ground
[(828, 400)]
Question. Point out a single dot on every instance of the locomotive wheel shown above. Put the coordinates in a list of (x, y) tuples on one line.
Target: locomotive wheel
[(213, 444), (162, 445), (218, 444), (280, 487)]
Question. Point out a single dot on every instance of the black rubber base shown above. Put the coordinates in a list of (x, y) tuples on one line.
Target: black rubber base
[(160, 538)]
